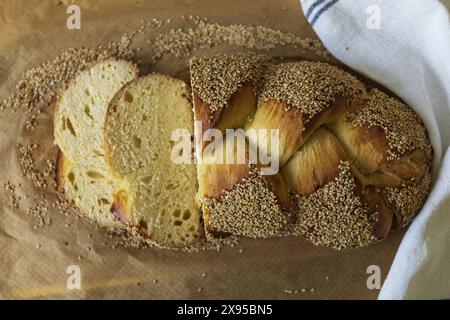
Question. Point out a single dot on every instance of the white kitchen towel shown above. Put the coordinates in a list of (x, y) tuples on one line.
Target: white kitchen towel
[(404, 45)]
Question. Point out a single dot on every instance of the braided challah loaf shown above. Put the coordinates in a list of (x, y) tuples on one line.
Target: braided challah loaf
[(353, 165), (349, 164)]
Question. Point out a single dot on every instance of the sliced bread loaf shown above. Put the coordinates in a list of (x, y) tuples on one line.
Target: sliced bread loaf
[(138, 133)]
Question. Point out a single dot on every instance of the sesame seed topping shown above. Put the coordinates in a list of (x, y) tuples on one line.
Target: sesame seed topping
[(403, 128), (334, 215), (215, 79), (309, 86), (250, 209), (407, 201)]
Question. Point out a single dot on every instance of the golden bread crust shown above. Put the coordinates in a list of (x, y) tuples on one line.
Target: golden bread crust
[(353, 171)]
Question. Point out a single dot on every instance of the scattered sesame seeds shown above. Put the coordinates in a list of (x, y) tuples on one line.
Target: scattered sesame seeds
[(204, 34), (309, 86), (32, 121), (155, 23), (29, 169), (303, 290), (62, 204), (403, 128), (39, 211), (49, 168), (14, 199)]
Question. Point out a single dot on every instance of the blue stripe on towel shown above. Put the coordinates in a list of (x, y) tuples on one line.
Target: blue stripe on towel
[(312, 7), (321, 11)]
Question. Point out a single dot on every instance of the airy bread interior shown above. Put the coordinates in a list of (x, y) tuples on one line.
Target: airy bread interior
[(138, 130), (81, 109), (78, 129), (91, 192)]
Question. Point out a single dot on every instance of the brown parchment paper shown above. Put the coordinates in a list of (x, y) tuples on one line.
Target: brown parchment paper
[(33, 262)]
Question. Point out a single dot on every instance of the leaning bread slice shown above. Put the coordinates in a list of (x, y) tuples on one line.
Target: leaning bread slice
[(79, 116), (142, 119), (91, 192), (81, 109)]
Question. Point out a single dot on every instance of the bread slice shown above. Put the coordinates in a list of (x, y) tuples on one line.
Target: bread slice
[(81, 109), (82, 174), (138, 133), (91, 192)]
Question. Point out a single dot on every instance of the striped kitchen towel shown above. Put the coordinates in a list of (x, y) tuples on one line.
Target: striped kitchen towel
[(404, 45)]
